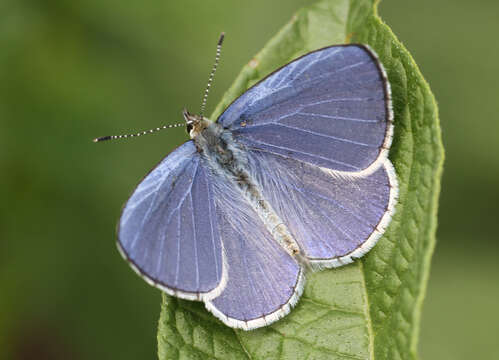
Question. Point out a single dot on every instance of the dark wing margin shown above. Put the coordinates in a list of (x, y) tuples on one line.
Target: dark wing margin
[(330, 108), (168, 230)]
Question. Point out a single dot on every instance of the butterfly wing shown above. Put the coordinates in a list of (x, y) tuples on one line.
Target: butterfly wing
[(264, 281), (330, 108), (194, 236), (168, 230), (333, 217)]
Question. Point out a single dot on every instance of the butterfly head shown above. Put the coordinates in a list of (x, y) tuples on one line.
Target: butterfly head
[(195, 124)]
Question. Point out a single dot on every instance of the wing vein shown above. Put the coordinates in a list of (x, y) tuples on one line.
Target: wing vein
[(337, 117), (195, 239), (178, 225), (162, 243), (321, 135), (302, 152), (211, 226), (177, 267), (146, 215), (329, 73), (286, 76), (325, 101)]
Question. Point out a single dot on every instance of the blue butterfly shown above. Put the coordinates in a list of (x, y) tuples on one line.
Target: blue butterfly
[(293, 176)]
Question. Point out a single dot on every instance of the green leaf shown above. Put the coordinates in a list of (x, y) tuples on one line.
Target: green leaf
[(371, 308)]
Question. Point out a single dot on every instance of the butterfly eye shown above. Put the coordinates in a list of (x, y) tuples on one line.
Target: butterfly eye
[(188, 128)]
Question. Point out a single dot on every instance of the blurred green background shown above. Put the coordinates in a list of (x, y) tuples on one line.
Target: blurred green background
[(73, 70)]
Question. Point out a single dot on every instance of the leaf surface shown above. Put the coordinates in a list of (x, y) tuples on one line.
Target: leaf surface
[(371, 308)]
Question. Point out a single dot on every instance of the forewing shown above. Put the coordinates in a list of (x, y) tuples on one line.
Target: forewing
[(334, 217), (263, 281), (330, 108), (167, 229)]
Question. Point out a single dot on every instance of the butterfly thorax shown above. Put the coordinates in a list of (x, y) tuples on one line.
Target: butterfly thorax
[(215, 144), (221, 152)]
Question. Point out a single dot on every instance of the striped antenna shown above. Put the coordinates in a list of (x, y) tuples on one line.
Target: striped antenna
[(212, 74), (114, 137)]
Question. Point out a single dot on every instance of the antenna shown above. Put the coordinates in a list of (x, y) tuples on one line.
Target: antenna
[(212, 74), (203, 104), (114, 137)]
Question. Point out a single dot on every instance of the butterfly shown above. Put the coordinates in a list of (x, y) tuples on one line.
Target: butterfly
[(293, 176)]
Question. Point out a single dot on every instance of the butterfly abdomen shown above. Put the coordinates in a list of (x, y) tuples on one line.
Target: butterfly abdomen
[(226, 158)]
